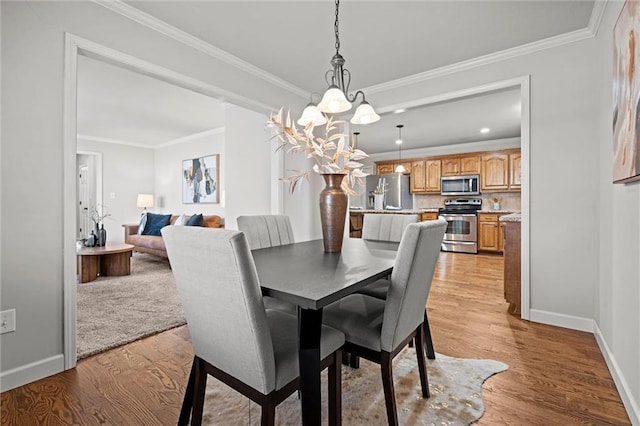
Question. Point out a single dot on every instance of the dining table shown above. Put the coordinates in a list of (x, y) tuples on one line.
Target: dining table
[(307, 276)]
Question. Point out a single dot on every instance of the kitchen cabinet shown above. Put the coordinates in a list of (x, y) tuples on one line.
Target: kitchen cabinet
[(383, 168), (425, 176), (512, 277), (490, 232), (461, 165), (495, 172), (515, 172), (428, 216), (355, 224)]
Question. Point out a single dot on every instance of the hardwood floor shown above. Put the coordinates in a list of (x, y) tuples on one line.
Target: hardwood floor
[(556, 376)]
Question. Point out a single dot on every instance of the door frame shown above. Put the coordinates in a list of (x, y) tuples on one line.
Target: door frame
[(73, 47), (523, 83)]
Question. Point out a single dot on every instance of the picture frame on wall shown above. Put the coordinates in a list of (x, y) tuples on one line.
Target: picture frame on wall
[(201, 180), (626, 94)]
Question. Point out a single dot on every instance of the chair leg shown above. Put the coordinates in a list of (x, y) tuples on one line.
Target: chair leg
[(335, 390), (198, 392), (387, 385), (424, 380), (354, 361), (268, 414), (431, 354), (187, 402)]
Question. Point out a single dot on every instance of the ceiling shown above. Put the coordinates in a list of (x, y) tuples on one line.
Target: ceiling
[(294, 41)]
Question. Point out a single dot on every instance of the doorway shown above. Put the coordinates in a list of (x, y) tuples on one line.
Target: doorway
[(89, 192)]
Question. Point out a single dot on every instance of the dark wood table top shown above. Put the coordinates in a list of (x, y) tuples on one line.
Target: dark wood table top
[(303, 274)]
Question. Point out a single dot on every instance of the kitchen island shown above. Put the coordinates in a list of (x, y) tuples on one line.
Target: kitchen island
[(512, 253)]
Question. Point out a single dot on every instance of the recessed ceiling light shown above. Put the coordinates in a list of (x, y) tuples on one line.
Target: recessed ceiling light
[(485, 130), (399, 110)]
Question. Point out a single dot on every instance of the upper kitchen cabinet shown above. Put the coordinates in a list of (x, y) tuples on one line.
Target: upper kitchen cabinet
[(461, 165), (495, 172), (515, 173), (501, 171), (425, 176)]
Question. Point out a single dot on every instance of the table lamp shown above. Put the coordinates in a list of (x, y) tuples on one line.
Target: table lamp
[(144, 201)]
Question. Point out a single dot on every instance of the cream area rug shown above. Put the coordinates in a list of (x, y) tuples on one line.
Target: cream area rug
[(455, 385), (113, 311)]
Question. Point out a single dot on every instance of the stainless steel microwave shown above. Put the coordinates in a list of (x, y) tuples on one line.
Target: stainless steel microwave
[(460, 185)]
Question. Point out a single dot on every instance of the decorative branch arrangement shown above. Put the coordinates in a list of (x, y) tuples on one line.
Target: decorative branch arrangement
[(332, 153)]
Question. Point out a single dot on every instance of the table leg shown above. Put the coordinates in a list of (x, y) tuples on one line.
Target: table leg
[(309, 329)]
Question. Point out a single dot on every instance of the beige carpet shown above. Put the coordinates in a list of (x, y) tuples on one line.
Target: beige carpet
[(113, 311), (455, 385)]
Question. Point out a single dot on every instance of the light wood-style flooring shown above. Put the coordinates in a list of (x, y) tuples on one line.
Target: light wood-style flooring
[(556, 376)]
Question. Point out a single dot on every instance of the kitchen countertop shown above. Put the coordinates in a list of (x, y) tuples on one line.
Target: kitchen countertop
[(403, 211), (497, 211), (514, 217)]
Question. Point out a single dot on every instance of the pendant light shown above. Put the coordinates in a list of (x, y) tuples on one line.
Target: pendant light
[(336, 99), (400, 168)]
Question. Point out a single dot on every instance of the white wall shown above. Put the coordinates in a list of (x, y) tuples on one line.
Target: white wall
[(168, 174), (32, 64), (249, 157), (126, 172), (618, 313)]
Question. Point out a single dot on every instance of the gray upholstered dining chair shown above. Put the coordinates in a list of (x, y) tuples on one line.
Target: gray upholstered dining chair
[(268, 230), (379, 329), (390, 228), (386, 226), (234, 338), (264, 231)]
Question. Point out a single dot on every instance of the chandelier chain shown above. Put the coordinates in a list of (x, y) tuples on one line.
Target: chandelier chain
[(335, 27)]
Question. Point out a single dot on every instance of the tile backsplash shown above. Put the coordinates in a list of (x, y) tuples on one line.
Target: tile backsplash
[(509, 201)]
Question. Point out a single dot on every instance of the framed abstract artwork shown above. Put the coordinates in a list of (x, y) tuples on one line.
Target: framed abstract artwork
[(200, 180), (626, 94)]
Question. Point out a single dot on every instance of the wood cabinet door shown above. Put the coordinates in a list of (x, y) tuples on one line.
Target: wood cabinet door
[(515, 171), (387, 168), (470, 165), (495, 172), (488, 236), (418, 176), (428, 216), (432, 175), (450, 166), (501, 237)]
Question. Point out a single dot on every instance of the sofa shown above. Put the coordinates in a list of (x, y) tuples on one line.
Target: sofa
[(154, 244)]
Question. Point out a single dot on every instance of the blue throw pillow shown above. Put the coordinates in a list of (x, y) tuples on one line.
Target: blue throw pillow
[(155, 222), (196, 220)]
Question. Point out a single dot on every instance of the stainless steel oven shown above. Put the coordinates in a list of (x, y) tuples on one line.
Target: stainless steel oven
[(461, 215)]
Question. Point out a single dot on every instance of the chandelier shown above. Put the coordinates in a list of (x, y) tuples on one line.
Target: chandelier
[(337, 99)]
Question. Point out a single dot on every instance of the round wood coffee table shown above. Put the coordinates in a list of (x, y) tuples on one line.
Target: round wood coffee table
[(111, 260)]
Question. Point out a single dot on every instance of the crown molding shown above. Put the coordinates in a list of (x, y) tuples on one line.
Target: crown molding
[(210, 132), (502, 55), (596, 16), (162, 27)]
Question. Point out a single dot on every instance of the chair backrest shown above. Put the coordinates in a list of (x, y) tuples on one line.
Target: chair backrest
[(411, 281), (219, 289), (266, 230), (386, 226)]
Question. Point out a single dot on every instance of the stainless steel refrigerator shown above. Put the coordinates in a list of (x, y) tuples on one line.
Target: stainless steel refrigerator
[(398, 195)]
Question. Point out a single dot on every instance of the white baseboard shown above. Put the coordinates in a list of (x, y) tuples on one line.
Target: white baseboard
[(31, 372), (621, 384), (562, 320)]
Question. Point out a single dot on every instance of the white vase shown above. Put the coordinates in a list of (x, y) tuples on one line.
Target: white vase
[(496, 206), (378, 201)]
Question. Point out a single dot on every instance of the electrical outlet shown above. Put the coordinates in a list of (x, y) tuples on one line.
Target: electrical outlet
[(7, 321)]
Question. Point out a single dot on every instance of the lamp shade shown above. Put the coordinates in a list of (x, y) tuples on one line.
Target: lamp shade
[(334, 101), (312, 114), (400, 169), (364, 114), (145, 200)]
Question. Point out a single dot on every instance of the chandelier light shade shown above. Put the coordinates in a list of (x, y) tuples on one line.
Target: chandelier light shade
[(337, 99), (312, 114), (144, 201), (400, 168)]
